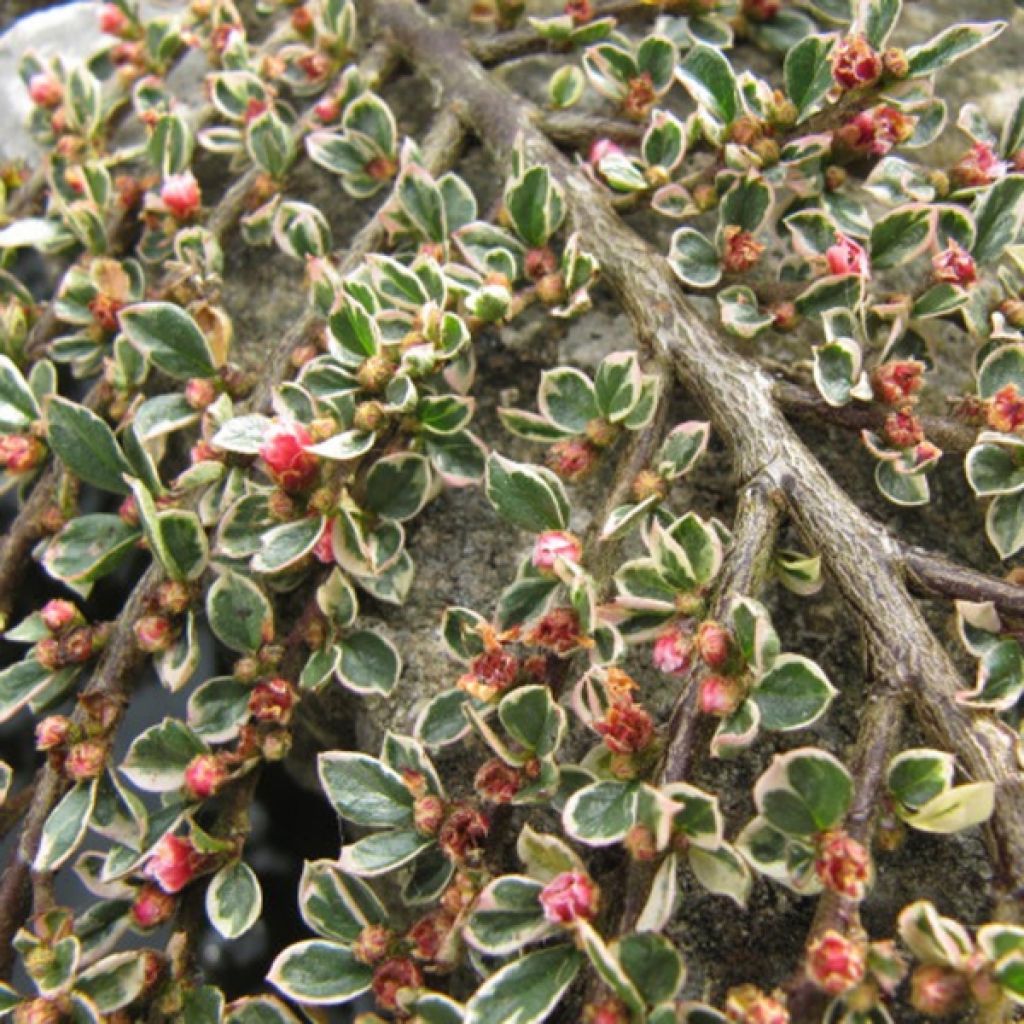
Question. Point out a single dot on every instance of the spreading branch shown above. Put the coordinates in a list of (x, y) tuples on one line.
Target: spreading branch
[(738, 400)]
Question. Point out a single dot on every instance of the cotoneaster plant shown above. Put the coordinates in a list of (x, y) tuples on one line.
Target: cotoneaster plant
[(608, 742)]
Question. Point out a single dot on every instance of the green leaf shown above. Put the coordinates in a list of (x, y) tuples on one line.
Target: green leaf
[(526, 990), (532, 718), (18, 405), (693, 259), (682, 449), (917, 776), (397, 486), (65, 826), (114, 981), (940, 300), (708, 77), (793, 693), (804, 792), (337, 905), (567, 398), (218, 708), (234, 900), (529, 497), (442, 721), (901, 488), (808, 72), (900, 236), (21, 682), (618, 385), (842, 291), (86, 445), (319, 973), (363, 790), (653, 965), (170, 338), (535, 205), (998, 218), (1004, 524), (183, 549), (566, 86), (507, 916), (747, 205), (955, 42), (383, 852), (720, 870), (284, 545), (1000, 679), (995, 468), (739, 312), (422, 202), (239, 613), (259, 1010), (270, 144), (369, 663), (90, 547), (157, 759), (837, 370), (601, 813)]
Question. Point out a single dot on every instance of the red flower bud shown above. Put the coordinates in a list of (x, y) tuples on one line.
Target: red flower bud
[(47, 652), (835, 963), (640, 97), (180, 194), (463, 833), (843, 865), (77, 647), (640, 844), (572, 459), (897, 381), (173, 597), (272, 701), (152, 906), (554, 544), (128, 511), (980, 166), (1006, 410), (200, 392), (284, 452), (875, 132), (747, 1004), (855, 64), (581, 11), (608, 1011), (540, 262), (568, 897), (394, 980), (204, 776), (173, 863), (327, 109), (429, 934), (955, 265), (903, 429), (627, 728), (558, 631), (761, 10), (21, 453), (497, 781), (742, 250), (38, 1011)]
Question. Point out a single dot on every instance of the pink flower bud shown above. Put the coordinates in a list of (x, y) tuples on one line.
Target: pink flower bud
[(48, 653), (719, 696), (1006, 409), (428, 935), (323, 550), (855, 64), (152, 906), (955, 265), (673, 652), (747, 1004), (113, 20), (392, 979), (52, 732), (204, 776), (713, 644), (173, 597), (173, 863), (540, 262), (835, 963), (761, 10), (568, 897), (38, 1011), (284, 452), (327, 109), (843, 865), (58, 614), (85, 760), (128, 511), (44, 90), (742, 250), (937, 991), (78, 647), (847, 257), (154, 633), (554, 544), (180, 194)]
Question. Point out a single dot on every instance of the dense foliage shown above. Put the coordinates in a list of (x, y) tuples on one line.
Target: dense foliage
[(274, 512)]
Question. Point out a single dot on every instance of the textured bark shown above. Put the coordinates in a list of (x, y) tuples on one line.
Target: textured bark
[(861, 557)]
